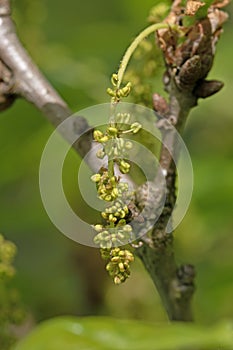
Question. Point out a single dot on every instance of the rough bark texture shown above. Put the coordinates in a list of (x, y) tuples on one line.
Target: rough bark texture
[(188, 64)]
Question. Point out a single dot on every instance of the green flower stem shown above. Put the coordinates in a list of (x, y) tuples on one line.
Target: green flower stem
[(111, 168), (129, 52)]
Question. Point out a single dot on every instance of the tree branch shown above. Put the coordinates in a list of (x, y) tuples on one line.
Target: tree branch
[(173, 284), (20, 77), (187, 65)]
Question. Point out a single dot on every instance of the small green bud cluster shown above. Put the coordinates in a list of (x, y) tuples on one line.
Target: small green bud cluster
[(108, 237), (117, 93), (106, 186), (117, 212), (114, 146), (115, 231), (7, 254), (11, 310), (118, 148), (118, 265)]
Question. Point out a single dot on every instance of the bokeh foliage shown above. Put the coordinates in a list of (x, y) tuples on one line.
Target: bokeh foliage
[(104, 333), (11, 311), (78, 44)]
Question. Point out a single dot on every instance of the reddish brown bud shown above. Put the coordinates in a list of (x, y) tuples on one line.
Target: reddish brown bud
[(190, 73), (160, 105)]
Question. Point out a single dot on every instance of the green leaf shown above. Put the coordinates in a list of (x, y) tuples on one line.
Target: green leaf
[(95, 333)]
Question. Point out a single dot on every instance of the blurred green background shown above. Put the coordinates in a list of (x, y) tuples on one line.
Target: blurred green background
[(78, 44)]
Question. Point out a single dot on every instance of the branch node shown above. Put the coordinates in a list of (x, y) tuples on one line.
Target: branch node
[(5, 8), (7, 97)]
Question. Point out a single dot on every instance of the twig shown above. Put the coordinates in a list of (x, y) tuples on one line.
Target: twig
[(28, 82), (174, 286), (129, 52), (188, 64)]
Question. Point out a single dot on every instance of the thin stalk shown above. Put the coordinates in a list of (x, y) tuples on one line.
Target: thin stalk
[(129, 52), (111, 168)]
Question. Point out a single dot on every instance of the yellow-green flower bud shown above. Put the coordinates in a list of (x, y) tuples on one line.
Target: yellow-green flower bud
[(125, 91), (114, 79), (100, 154), (112, 218), (96, 178), (115, 251), (124, 167), (102, 189), (121, 267), (104, 139), (123, 118), (122, 214), (120, 235), (128, 145), (115, 193), (111, 92), (122, 222), (97, 134), (98, 228), (108, 198), (109, 267), (136, 127), (127, 228), (122, 253), (112, 131), (104, 215), (121, 143), (129, 256), (113, 180), (115, 259), (117, 280), (113, 209)]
